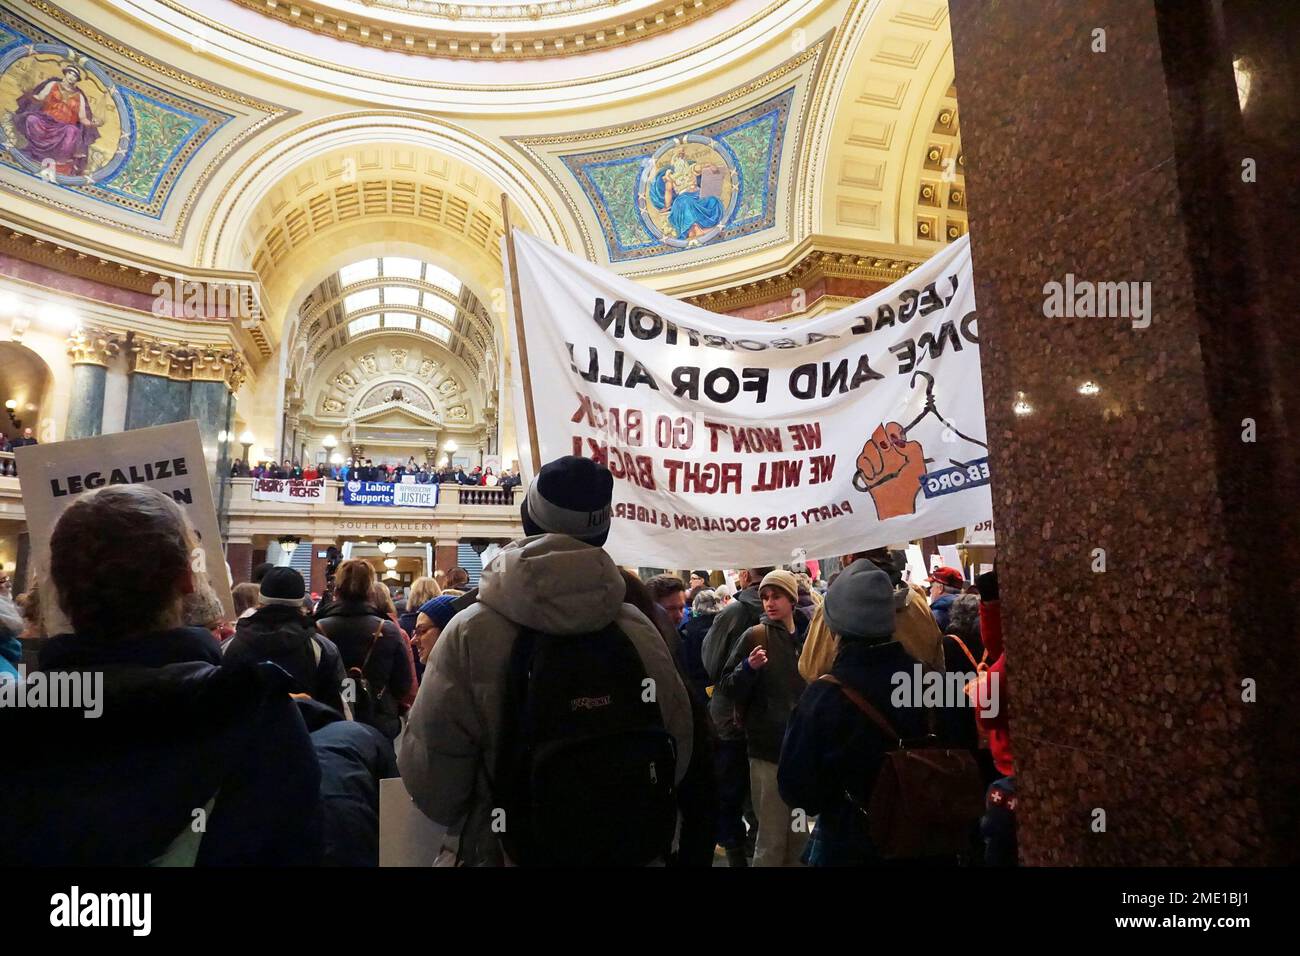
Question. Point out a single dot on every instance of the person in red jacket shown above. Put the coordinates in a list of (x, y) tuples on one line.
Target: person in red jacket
[(998, 826)]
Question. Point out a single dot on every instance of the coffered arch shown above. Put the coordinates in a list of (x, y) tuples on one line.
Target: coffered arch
[(879, 115)]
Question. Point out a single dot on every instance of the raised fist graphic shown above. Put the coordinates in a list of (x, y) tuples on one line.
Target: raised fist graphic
[(890, 469)]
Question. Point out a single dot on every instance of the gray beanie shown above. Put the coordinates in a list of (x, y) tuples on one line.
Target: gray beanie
[(860, 602)]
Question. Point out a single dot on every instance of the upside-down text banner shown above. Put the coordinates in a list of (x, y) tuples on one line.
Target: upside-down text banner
[(735, 442)]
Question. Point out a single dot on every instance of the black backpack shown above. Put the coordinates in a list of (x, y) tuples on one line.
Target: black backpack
[(585, 771)]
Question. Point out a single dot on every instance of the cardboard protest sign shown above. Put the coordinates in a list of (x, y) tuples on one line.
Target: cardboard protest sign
[(733, 442), (168, 457)]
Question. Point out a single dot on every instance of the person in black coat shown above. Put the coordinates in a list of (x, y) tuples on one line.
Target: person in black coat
[(704, 610), (832, 752), (366, 639), (174, 731), (280, 632)]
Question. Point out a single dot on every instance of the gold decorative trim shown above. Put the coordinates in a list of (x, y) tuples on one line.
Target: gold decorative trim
[(66, 254), (528, 146), (823, 108), (514, 172), (272, 113), (180, 8), (811, 265), (182, 362), (92, 346), (493, 41)]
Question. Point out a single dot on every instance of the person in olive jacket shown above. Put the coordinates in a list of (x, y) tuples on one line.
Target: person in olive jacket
[(833, 752), (762, 678)]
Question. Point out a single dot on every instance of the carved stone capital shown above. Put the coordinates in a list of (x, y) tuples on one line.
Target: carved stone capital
[(90, 346)]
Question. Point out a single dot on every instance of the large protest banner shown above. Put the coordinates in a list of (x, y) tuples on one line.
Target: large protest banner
[(168, 457), (390, 494), (294, 490), (734, 442)]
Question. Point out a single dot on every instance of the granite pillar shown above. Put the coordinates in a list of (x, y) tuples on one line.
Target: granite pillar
[(239, 555), (86, 405), (1146, 523), (319, 566), (156, 400), (445, 555)]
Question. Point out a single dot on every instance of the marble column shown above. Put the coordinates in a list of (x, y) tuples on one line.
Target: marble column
[(90, 351), (156, 400), (86, 405), (1146, 523)]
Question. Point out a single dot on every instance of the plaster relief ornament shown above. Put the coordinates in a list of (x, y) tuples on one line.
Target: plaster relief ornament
[(427, 368), (447, 387), (369, 363), (332, 406), (457, 413), (399, 357), (688, 190), (61, 116), (345, 380)]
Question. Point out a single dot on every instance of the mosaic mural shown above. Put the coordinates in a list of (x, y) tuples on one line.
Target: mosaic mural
[(712, 184), (91, 129)]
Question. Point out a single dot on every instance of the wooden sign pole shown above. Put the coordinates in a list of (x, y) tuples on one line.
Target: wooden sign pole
[(533, 448)]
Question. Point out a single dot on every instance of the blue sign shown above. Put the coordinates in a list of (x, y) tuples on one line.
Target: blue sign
[(390, 495), (947, 480)]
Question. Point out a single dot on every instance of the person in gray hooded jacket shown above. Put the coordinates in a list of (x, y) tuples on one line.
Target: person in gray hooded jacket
[(560, 583)]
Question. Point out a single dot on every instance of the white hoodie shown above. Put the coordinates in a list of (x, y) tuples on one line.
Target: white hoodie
[(556, 585)]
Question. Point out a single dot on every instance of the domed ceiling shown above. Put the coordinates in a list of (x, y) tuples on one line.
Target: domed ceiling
[(492, 31)]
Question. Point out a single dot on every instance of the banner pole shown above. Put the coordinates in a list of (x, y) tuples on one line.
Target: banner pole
[(533, 448)]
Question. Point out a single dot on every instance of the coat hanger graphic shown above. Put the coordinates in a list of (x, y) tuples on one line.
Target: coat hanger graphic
[(932, 409)]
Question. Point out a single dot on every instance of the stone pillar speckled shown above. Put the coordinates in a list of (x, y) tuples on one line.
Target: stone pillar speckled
[(1145, 521)]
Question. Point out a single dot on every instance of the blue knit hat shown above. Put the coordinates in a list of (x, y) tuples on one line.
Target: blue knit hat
[(439, 610)]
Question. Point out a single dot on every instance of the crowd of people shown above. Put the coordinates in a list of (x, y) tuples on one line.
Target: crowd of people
[(605, 719), (7, 465), (364, 469)]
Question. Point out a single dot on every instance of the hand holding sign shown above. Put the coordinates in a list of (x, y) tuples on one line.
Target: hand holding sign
[(890, 468)]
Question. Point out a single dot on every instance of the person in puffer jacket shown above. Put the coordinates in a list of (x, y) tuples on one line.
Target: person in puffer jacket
[(558, 584)]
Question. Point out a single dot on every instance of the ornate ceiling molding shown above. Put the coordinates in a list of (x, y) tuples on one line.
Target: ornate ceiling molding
[(499, 33), (69, 255), (247, 117), (809, 264)]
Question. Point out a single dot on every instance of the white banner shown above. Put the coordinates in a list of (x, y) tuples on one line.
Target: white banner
[(294, 490), (735, 442)]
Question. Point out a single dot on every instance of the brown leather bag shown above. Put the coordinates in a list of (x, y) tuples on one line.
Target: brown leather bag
[(926, 796)]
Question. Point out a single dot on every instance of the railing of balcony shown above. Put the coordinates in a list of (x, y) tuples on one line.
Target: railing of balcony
[(448, 494)]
